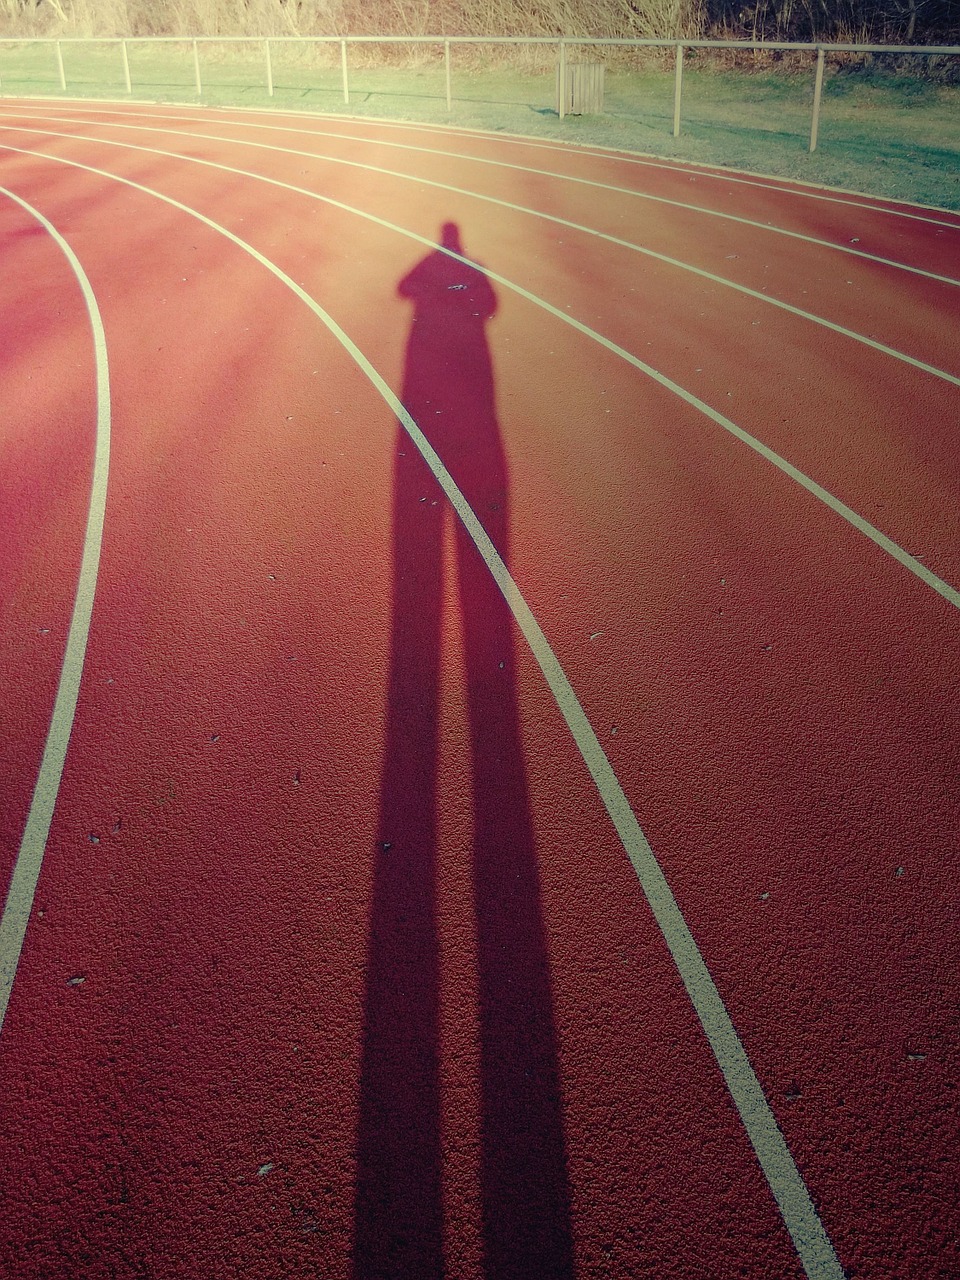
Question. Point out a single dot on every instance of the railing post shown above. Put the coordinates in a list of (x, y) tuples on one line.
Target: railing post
[(63, 78), (562, 91), (196, 69), (677, 90), (266, 45), (446, 64), (126, 66), (817, 95), (343, 68)]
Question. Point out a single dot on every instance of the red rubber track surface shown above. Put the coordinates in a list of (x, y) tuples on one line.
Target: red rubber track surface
[(369, 986)]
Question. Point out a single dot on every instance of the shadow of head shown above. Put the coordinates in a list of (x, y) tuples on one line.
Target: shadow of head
[(450, 237)]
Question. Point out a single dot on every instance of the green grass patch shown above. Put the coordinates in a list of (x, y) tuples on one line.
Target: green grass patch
[(889, 135)]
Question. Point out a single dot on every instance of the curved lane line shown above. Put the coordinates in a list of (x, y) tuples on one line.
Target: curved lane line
[(916, 567), (26, 869), (535, 213), (649, 160), (644, 195), (799, 1215), (644, 159)]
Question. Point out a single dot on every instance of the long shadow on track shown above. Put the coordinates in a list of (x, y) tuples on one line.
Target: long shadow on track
[(449, 390)]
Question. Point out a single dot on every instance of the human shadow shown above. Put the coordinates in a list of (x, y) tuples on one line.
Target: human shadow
[(448, 389)]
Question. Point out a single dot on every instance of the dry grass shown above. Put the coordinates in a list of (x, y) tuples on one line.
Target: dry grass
[(630, 19), (847, 21)]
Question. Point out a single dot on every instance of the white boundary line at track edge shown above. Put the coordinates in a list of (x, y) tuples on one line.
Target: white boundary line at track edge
[(26, 869), (676, 165), (701, 168), (518, 208), (853, 518), (799, 1215), (645, 160), (645, 195)]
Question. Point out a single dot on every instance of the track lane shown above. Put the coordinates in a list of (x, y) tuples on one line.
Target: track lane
[(911, 210), (494, 141), (767, 282), (48, 441), (101, 968), (688, 169), (148, 916), (632, 657), (493, 144), (806, 225), (937, 533)]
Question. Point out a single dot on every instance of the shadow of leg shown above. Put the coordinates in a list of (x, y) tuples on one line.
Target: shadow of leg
[(398, 1228), (526, 1198)]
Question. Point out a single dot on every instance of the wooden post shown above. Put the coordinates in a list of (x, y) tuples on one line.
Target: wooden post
[(266, 45), (63, 78), (126, 66), (817, 95), (562, 95), (343, 68), (446, 63), (677, 90), (196, 69)]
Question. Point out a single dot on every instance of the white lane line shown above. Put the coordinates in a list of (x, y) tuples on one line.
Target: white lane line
[(518, 208), (853, 518), (799, 1215), (26, 869), (644, 159), (644, 195), (650, 160)]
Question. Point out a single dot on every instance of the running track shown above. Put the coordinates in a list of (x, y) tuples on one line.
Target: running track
[(426, 575)]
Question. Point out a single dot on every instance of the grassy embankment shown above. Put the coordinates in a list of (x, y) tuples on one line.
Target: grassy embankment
[(888, 135)]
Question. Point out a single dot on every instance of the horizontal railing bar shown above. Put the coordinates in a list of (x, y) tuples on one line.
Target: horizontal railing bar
[(549, 40), (928, 50), (891, 48)]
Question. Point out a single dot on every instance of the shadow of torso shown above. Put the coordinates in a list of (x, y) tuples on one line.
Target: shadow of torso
[(448, 382)]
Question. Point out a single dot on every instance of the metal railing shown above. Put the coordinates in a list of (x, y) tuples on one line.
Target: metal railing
[(561, 43)]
